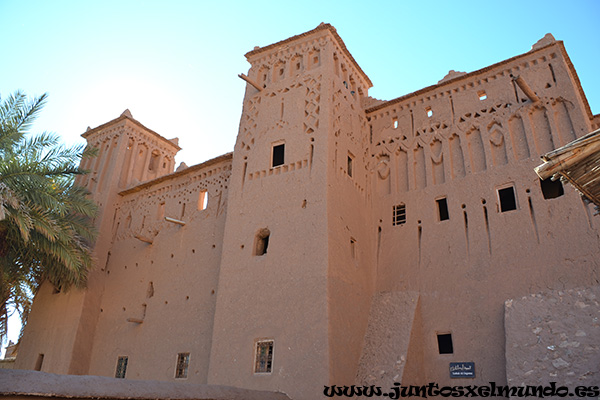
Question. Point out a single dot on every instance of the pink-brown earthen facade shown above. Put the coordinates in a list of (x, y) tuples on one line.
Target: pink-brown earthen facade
[(364, 241)]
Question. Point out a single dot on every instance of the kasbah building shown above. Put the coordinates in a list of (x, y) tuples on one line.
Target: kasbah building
[(345, 240)]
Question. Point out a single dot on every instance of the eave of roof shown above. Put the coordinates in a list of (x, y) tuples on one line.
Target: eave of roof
[(321, 27), (134, 121), (176, 174), (469, 75)]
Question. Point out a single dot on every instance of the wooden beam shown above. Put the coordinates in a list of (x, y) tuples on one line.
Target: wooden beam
[(250, 81), (175, 221), (526, 89), (143, 239)]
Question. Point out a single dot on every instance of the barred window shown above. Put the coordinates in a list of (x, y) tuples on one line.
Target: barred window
[(263, 361), (399, 214), (121, 367), (181, 369)]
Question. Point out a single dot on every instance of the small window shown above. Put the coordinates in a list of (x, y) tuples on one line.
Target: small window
[(481, 94), (507, 199), (429, 112), (153, 165), (278, 158), (263, 360), (445, 343), (398, 214), (39, 362), (551, 189), (395, 122), (121, 367), (202, 200), (350, 161), (181, 369), (261, 242), (442, 206)]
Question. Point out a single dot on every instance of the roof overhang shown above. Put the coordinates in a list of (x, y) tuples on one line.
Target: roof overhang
[(577, 162)]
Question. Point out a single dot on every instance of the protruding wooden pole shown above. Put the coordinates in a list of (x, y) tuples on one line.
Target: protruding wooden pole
[(250, 81), (526, 89)]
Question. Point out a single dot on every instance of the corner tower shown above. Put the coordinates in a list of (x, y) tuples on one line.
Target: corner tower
[(60, 332), (300, 142)]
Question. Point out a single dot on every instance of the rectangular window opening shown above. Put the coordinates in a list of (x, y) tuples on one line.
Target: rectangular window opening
[(507, 199), (551, 189), (429, 112), (278, 155), (263, 360), (395, 122), (442, 205), (183, 362), (399, 214), (445, 343), (202, 200), (39, 362), (350, 162), (482, 95), (121, 367)]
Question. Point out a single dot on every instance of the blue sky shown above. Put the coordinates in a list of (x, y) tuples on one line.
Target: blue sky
[(174, 64)]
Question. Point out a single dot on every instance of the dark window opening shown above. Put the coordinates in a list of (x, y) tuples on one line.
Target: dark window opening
[(508, 201), (445, 343), (350, 165), (551, 189), (181, 369), (278, 155), (261, 242), (264, 357), (121, 367), (442, 205), (398, 214), (39, 362)]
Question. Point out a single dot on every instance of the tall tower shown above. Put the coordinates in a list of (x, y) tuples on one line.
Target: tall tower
[(61, 328), (295, 282)]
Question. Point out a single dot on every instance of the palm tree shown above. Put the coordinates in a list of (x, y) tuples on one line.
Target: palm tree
[(45, 220)]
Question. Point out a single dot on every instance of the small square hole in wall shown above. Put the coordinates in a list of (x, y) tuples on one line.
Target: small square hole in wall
[(445, 343), (481, 94), (398, 214), (429, 112), (507, 199), (263, 358), (278, 155), (181, 368), (442, 206), (121, 367), (551, 189)]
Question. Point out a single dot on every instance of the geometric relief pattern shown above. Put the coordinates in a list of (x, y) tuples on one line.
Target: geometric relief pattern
[(477, 141)]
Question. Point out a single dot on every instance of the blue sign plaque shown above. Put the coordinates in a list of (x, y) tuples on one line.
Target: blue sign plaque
[(462, 370)]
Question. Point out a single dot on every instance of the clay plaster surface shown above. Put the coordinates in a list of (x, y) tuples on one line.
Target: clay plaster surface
[(33, 384)]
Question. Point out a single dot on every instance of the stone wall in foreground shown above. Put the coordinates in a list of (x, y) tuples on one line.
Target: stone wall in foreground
[(554, 337)]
